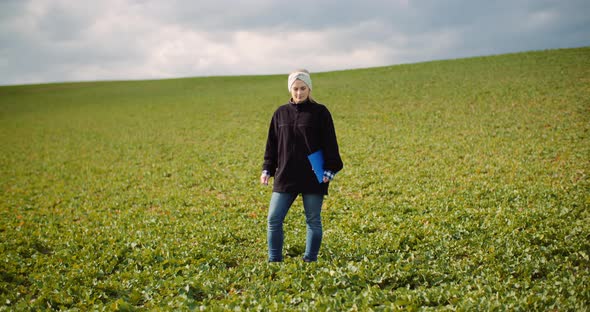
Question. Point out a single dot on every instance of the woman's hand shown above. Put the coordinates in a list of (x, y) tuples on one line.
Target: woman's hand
[(328, 176), (264, 177)]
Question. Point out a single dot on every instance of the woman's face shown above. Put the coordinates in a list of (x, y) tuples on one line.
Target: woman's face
[(299, 91)]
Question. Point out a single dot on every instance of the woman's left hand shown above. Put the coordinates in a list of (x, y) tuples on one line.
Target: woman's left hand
[(328, 176)]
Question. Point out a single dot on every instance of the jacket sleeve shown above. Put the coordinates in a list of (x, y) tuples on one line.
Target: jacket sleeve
[(270, 154), (332, 160)]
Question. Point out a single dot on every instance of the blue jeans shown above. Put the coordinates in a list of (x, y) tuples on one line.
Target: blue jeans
[(279, 206)]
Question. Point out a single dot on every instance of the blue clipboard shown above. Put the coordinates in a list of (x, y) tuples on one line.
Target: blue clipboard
[(317, 164)]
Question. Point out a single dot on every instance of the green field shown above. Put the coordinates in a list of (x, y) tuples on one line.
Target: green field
[(465, 187)]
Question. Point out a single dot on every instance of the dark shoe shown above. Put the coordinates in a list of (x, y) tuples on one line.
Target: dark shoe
[(308, 260)]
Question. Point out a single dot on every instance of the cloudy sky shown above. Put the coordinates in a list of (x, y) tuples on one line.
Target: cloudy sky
[(75, 40)]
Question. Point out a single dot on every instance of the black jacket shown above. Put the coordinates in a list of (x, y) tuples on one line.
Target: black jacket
[(297, 130)]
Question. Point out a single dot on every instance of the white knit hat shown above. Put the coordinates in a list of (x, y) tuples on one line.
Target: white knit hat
[(303, 76)]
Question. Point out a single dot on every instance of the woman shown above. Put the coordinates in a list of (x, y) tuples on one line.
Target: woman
[(298, 129)]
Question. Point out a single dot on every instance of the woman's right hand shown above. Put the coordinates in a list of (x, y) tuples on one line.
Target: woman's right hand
[(264, 178)]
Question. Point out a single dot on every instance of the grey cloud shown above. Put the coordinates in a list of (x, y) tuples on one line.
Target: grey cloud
[(60, 23), (57, 40)]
